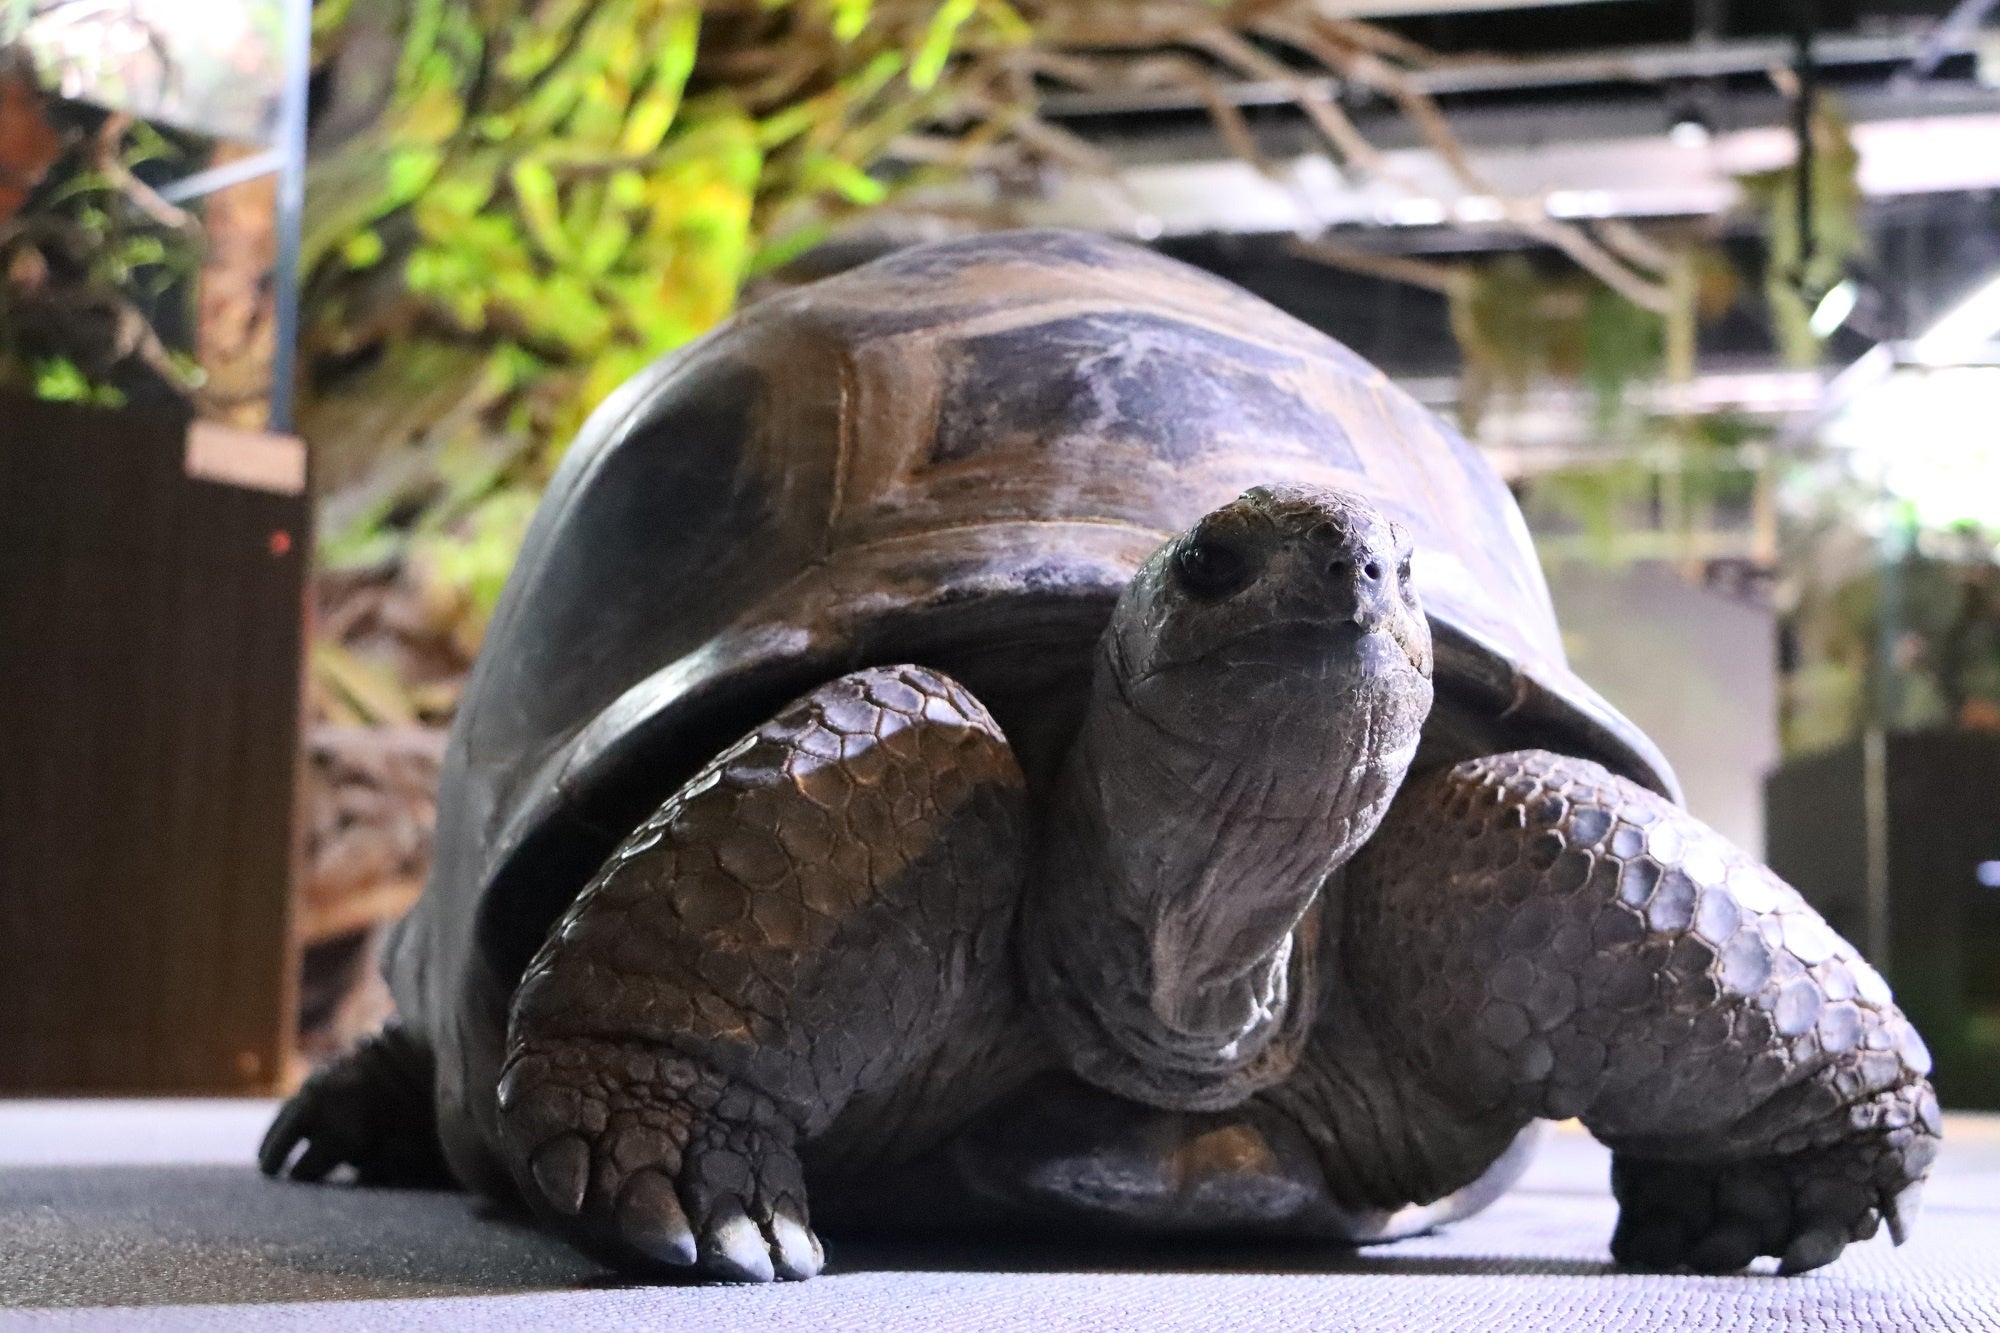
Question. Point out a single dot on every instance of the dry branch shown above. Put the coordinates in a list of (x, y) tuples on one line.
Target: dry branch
[(1442, 278)]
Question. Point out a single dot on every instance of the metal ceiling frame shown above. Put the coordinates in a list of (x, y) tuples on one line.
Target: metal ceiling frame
[(1626, 65), (1397, 9), (1633, 175)]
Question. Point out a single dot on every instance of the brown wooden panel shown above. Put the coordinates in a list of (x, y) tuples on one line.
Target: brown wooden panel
[(1943, 798), (1816, 836), (1939, 822), (150, 647)]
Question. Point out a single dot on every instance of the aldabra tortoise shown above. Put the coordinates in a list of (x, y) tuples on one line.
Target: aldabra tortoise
[(962, 748)]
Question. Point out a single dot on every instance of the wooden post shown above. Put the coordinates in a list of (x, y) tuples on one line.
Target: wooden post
[(236, 313), (151, 623)]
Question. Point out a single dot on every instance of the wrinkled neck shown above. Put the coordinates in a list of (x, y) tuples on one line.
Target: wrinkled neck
[(1171, 943)]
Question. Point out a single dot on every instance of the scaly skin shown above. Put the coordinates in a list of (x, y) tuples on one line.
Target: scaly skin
[(798, 925), (1528, 935), (1538, 937), (812, 945)]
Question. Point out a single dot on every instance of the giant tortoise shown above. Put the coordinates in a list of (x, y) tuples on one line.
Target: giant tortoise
[(1025, 735)]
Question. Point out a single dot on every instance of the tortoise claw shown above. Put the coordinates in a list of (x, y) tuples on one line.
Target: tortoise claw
[(1813, 1248), (561, 1167), (1727, 1249), (285, 1134), (1802, 1209), (733, 1248), (629, 1169), (795, 1249), (651, 1221)]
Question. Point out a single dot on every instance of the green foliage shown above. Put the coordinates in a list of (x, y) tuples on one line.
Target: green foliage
[(581, 186), (58, 380), (88, 266), (1794, 283), (936, 46), (474, 557), (1622, 343), (1894, 630), (1657, 484), (1516, 323), (1651, 483), (557, 184), (1598, 497), (1907, 643)]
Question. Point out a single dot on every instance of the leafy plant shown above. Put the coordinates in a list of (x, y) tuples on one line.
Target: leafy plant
[(1897, 629), (553, 193), (1517, 324), (1661, 488), (95, 261), (1794, 280)]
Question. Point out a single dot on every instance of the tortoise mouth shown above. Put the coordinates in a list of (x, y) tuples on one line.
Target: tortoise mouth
[(1337, 655), (1318, 648)]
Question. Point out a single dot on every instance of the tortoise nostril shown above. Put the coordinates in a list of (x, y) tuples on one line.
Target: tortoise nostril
[(1337, 568), (1372, 571)]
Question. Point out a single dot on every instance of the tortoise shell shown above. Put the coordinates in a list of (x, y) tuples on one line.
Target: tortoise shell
[(956, 455)]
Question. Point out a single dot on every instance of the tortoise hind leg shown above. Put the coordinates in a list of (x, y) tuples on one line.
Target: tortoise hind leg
[(371, 1109), (1543, 938), (798, 924)]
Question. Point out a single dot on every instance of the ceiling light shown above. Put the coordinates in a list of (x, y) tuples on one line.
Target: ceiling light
[(1834, 308), (1689, 132), (1582, 204), (1475, 208), (1963, 332), (1689, 122), (1417, 212), (1986, 59)]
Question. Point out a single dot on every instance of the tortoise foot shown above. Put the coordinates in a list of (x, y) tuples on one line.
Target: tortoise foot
[(1802, 1209), (372, 1110), (655, 1163)]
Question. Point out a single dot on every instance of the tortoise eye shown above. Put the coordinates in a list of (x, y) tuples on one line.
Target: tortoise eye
[(1210, 568)]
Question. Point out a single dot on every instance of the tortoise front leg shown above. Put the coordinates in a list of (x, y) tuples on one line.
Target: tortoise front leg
[(798, 924), (370, 1109), (1546, 939)]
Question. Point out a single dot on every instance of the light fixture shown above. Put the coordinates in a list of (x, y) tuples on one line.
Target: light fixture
[(1689, 122), (1478, 208), (1963, 332), (1582, 204), (1689, 131), (1834, 308)]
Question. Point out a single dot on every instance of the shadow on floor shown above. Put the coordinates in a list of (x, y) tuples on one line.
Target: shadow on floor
[(1101, 1255), (155, 1235)]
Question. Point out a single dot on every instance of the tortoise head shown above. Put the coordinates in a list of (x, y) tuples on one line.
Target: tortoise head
[(1259, 695), (1274, 613)]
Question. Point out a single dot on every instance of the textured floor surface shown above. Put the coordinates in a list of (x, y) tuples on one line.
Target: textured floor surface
[(140, 1215)]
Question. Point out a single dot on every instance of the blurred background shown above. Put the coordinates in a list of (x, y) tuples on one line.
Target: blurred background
[(303, 302)]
